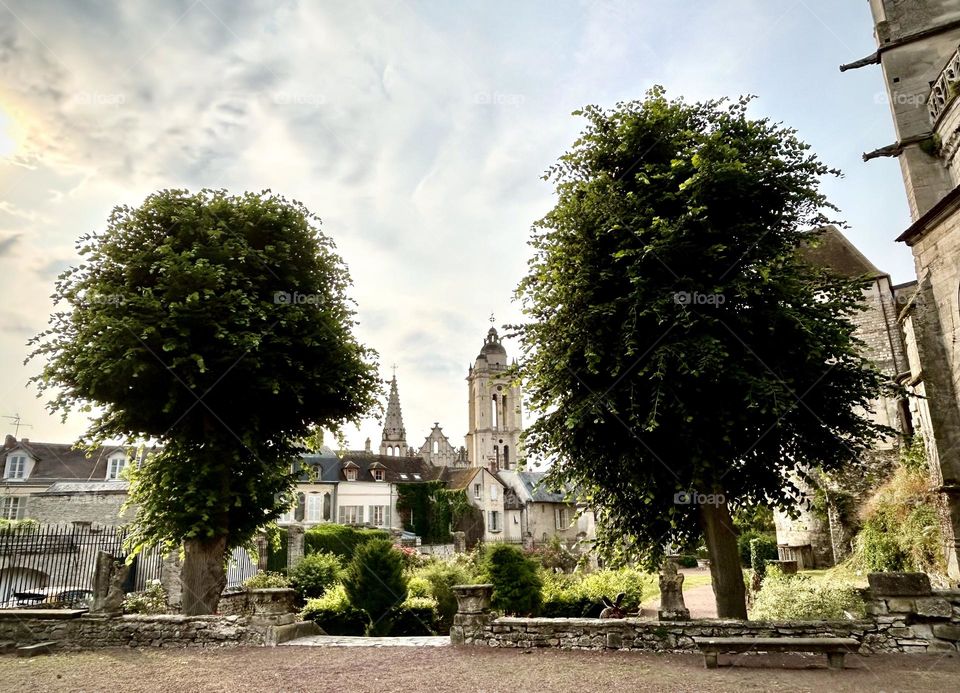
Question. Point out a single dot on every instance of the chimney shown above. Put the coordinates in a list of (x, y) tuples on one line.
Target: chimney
[(24, 440), (9, 441), (366, 446)]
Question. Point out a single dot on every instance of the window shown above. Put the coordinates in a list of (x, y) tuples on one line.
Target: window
[(494, 413), (478, 491), (378, 514), (16, 467), (506, 457), (10, 508), (115, 465), (351, 514), (416, 477), (351, 474), (327, 503), (314, 501), (378, 475), (563, 520), (493, 521), (493, 492), (403, 476), (436, 447)]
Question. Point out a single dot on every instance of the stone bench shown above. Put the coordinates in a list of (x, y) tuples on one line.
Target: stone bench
[(834, 648)]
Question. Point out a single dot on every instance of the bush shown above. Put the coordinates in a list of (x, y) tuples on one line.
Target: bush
[(768, 546), (340, 540), (556, 557), (375, 584), (334, 613), (800, 598), (581, 595), (315, 573), (759, 552), (416, 616), (439, 578), (265, 580), (686, 561), (152, 600), (516, 581)]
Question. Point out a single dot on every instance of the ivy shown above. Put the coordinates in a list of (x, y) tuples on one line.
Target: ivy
[(431, 510)]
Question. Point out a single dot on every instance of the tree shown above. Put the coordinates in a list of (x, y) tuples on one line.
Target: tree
[(684, 358), (218, 326), (375, 583), (516, 583)]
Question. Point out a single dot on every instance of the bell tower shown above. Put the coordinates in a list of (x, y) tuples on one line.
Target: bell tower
[(494, 425), (394, 439)]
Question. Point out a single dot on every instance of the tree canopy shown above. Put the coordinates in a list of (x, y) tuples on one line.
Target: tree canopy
[(218, 326), (683, 356)]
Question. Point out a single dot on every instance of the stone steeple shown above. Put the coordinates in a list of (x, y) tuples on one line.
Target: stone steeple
[(394, 439)]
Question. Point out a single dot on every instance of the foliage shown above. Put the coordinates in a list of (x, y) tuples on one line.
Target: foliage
[(433, 509), (340, 540), (555, 557), (334, 613), (760, 554), (416, 616), (686, 561), (277, 550), (314, 573), (516, 581), (581, 594), (767, 546), (375, 583), (755, 518), (696, 317), (439, 577), (240, 299), (802, 598), (901, 528), (418, 586), (152, 600), (25, 526), (266, 579)]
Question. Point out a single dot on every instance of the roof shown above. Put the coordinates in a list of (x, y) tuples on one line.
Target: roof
[(60, 461), (409, 469), (71, 487), (946, 207), (325, 464), (529, 487), (834, 251), (459, 478)]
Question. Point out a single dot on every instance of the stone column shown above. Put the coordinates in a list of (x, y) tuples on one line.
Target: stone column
[(473, 614), (459, 542), (170, 578), (672, 606), (295, 542)]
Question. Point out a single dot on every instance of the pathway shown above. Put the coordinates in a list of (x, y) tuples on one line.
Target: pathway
[(360, 641)]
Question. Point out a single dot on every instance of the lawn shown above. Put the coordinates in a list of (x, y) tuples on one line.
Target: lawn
[(438, 670)]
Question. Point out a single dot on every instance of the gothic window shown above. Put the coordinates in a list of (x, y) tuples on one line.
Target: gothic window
[(506, 457), (494, 413), (436, 447)]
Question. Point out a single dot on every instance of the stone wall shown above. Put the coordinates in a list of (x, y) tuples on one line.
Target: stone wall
[(904, 615), (89, 632)]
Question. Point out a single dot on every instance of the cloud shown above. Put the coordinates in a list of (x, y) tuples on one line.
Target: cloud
[(7, 243)]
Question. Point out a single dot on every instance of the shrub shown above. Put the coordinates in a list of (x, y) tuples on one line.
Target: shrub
[(581, 595), (556, 557), (768, 546), (516, 581), (340, 540), (759, 552), (375, 584), (315, 573), (266, 579), (334, 613), (418, 586), (440, 577), (416, 616), (152, 600), (801, 598), (686, 561)]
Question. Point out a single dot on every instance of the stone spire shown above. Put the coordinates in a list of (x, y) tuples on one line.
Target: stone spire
[(394, 439)]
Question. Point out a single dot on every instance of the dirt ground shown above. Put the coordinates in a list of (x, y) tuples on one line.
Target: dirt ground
[(461, 669)]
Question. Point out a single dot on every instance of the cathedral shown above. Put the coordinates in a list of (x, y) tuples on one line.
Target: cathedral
[(494, 420)]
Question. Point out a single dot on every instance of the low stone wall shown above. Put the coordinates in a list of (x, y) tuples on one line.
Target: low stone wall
[(904, 615), (89, 632)]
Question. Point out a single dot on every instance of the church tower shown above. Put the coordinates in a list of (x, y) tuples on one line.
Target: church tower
[(394, 439), (494, 426)]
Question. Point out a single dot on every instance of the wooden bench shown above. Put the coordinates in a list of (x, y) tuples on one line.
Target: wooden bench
[(834, 648)]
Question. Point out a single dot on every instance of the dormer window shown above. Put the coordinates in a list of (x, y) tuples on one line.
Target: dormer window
[(115, 466), (16, 467), (351, 474), (378, 475)]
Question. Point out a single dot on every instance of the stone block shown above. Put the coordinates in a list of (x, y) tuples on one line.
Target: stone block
[(899, 584), (934, 607), (947, 631), (939, 646), (900, 605)]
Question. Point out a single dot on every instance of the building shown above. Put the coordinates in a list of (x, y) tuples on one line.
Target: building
[(537, 513), (918, 50), (484, 491), (494, 420)]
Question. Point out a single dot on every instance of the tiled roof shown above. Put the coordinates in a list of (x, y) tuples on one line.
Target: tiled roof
[(459, 478), (70, 487), (396, 469), (835, 252), (530, 487), (61, 462)]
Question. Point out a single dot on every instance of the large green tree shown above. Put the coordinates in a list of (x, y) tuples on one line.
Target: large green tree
[(685, 360), (218, 326)]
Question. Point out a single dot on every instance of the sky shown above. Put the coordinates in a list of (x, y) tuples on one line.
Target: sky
[(418, 131)]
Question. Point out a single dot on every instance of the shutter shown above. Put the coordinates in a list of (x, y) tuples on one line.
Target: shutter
[(556, 515)]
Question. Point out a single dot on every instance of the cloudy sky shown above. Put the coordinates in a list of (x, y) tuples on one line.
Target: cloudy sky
[(418, 132)]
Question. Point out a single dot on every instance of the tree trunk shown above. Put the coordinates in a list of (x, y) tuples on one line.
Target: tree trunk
[(725, 570), (203, 575)]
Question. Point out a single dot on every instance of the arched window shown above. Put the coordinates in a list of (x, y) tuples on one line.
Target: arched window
[(496, 454), (506, 457), (436, 447), (494, 413), (503, 404)]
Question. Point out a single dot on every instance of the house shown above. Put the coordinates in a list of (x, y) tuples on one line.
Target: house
[(54, 482), (484, 491), (537, 513)]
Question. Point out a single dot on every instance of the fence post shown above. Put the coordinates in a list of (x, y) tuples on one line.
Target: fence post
[(295, 541)]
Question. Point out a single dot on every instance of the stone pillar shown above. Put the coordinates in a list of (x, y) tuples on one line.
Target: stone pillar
[(295, 542), (108, 578), (672, 607), (170, 578), (528, 541), (473, 614), (263, 552), (459, 542)]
